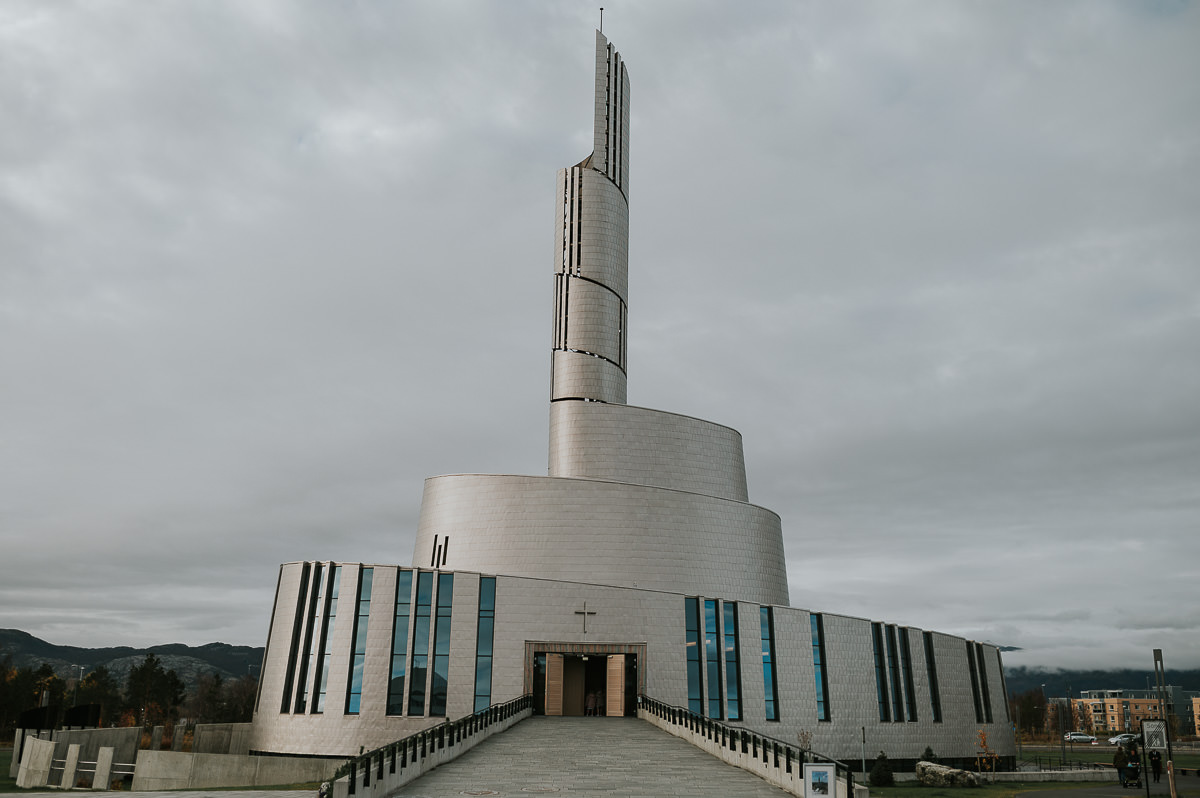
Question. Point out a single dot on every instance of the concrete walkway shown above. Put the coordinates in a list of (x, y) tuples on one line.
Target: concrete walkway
[(610, 757)]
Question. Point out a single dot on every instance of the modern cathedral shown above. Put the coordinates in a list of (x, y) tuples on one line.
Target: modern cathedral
[(636, 568)]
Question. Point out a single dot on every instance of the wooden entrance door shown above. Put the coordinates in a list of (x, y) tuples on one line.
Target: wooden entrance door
[(615, 686), (554, 684)]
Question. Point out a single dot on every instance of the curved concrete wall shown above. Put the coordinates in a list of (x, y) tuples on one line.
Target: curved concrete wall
[(528, 610), (604, 533), (619, 443)]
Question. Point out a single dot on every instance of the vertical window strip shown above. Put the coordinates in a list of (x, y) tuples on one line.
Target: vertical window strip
[(817, 624), (894, 675), (712, 658), (572, 220), (483, 642), (322, 679), (578, 223), (420, 644), (358, 658), (985, 694), (316, 599), (910, 693), (1003, 685), (440, 680), (766, 620), (289, 678), (974, 682), (733, 676), (935, 695), (395, 699), (691, 611), (881, 691)]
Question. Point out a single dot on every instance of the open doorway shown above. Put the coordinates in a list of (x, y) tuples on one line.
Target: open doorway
[(597, 681)]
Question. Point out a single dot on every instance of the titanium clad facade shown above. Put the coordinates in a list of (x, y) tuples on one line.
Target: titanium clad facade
[(639, 546)]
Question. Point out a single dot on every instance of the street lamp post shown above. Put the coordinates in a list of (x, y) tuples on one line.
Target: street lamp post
[(75, 697)]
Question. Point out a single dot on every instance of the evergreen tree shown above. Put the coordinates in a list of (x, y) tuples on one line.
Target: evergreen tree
[(881, 772)]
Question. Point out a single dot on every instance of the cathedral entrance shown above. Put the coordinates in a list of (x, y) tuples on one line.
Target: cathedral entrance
[(584, 679)]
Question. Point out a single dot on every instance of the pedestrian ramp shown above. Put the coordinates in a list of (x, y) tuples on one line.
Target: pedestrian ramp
[(587, 756)]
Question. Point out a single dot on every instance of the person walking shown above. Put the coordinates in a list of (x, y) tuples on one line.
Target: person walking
[(1120, 760), (1156, 764)]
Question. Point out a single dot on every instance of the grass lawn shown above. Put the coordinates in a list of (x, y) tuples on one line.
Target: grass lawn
[(1104, 755), (914, 790), (7, 784)]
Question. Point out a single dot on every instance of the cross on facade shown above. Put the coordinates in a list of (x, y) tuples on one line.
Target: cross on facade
[(585, 612)]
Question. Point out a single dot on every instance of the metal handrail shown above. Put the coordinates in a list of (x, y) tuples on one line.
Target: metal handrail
[(696, 722), (434, 738)]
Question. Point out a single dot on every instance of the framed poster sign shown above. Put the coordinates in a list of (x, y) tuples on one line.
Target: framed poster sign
[(819, 780)]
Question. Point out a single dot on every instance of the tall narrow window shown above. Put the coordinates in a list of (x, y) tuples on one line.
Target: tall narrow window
[(881, 691), (322, 679), (483, 643), (910, 702), (894, 675), (766, 623), (307, 662), (817, 623), (985, 694), (712, 658), (420, 644), (935, 696), (974, 682), (1004, 685), (358, 658), (294, 650), (441, 645), (691, 611), (395, 699), (733, 677)]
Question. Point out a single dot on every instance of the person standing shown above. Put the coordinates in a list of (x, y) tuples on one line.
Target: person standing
[(1120, 760), (1156, 764)]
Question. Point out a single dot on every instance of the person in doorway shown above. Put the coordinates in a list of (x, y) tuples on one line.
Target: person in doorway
[(1120, 760), (589, 704), (1156, 764)]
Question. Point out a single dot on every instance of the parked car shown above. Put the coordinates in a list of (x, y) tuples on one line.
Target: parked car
[(1078, 737), (1123, 739)]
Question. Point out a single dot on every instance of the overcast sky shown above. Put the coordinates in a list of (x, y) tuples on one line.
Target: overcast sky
[(265, 266)]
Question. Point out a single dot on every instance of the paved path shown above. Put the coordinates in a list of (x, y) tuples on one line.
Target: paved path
[(609, 757)]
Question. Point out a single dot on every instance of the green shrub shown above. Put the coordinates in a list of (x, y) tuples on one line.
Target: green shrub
[(881, 772)]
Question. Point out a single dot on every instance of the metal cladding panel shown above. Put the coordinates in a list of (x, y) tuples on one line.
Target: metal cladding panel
[(606, 533), (581, 376), (620, 443)]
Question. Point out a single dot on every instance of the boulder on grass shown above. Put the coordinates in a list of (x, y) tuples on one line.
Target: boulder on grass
[(932, 774)]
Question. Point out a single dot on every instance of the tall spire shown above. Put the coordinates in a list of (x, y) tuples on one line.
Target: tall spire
[(591, 250)]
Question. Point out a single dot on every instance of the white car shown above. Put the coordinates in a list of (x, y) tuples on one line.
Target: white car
[(1078, 737), (1122, 739)]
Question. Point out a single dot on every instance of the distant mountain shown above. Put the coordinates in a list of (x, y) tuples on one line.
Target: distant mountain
[(189, 662), (1059, 683)]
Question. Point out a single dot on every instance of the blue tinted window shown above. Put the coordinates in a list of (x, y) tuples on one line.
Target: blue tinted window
[(692, 629), (441, 645), (483, 642), (767, 633), (733, 676), (357, 659), (817, 625), (395, 699), (420, 644)]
